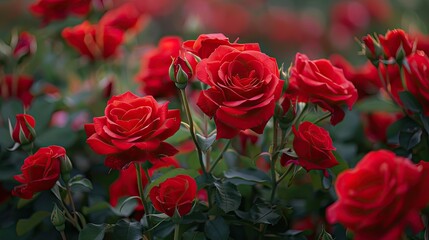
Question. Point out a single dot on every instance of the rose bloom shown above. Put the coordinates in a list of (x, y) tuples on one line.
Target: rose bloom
[(313, 146), (17, 86), (133, 130), (126, 184), (317, 81), (125, 17), (25, 46), (244, 87), (94, 41), (417, 78), (205, 44), (21, 132), (393, 41), (365, 77), (50, 10), (154, 69), (381, 197), (40, 171), (174, 194)]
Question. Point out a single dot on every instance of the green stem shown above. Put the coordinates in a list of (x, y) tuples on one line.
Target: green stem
[(63, 235), (185, 104), (220, 156), (142, 198), (285, 174), (323, 118), (177, 231)]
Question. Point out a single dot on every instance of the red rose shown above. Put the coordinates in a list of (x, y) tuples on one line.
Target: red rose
[(125, 17), (176, 193), (381, 197), (26, 45), (40, 171), (24, 129), (323, 84), (365, 78), (377, 123), (313, 146), (133, 129), (50, 10), (207, 43), (126, 184), (155, 65), (94, 41), (417, 78), (393, 41), (17, 86), (371, 47), (244, 87)]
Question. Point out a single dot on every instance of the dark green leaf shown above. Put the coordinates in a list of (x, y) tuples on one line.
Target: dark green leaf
[(127, 230), (126, 206), (93, 232), (25, 225), (10, 108), (217, 229), (64, 137), (193, 235), (409, 138), (227, 196), (262, 212), (250, 174), (410, 102), (80, 180)]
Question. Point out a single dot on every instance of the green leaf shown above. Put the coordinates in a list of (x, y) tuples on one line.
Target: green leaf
[(99, 206), (93, 232), (205, 142), (191, 235), (172, 173), (251, 175), (262, 212), (409, 138), (64, 137), (42, 109), (410, 102), (342, 164), (25, 225), (80, 180), (10, 108), (227, 196), (217, 229), (375, 104), (126, 206), (126, 230)]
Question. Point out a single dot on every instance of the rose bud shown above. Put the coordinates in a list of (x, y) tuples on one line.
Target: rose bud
[(180, 72), (57, 219), (372, 49), (25, 46), (175, 194), (66, 167), (40, 172), (23, 132), (313, 146)]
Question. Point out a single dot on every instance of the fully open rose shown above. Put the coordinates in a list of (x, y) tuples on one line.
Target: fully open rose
[(40, 171), (319, 82), (244, 87), (381, 197), (133, 129)]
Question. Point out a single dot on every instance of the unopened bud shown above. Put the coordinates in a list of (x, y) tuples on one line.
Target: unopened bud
[(180, 72), (23, 132), (58, 219), (66, 168)]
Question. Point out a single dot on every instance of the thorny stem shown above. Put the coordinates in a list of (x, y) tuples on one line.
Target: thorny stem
[(63, 235)]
